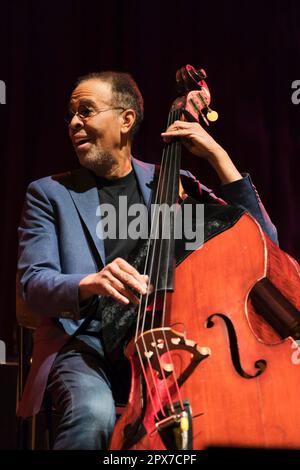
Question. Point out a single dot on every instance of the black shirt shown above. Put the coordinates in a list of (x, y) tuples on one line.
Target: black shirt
[(109, 193), (121, 194)]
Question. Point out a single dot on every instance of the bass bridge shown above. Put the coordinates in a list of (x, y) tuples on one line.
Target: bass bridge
[(156, 346)]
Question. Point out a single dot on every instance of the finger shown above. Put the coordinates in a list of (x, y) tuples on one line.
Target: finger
[(181, 133), (128, 268), (129, 280), (121, 288), (182, 125), (140, 278), (125, 266), (169, 133), (116, 295), (186, 124), (167, 136), (175, 131)]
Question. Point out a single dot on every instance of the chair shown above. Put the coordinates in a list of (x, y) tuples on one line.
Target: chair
[(27, 437)]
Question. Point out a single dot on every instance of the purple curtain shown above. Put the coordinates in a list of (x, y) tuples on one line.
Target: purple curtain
[(249, 49)]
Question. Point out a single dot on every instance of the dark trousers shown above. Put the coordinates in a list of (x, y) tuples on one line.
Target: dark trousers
[(81, 386)]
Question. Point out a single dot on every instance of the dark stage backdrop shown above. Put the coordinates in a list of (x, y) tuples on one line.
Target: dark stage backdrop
[(250, 50)]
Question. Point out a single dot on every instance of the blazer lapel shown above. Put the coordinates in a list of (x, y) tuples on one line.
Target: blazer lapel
[(145, 173), (85, 196), (84, 193)]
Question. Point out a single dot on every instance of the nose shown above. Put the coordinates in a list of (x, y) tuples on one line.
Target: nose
[(75, 123)]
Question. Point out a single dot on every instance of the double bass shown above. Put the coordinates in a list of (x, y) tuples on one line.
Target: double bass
[(214, 357)]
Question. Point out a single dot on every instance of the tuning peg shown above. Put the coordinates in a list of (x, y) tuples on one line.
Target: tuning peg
[(201, 74), (211, 115)]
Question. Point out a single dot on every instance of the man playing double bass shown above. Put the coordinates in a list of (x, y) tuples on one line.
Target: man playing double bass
[(66, 268)]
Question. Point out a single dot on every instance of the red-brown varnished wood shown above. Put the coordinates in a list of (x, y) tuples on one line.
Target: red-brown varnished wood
[(234, 411)]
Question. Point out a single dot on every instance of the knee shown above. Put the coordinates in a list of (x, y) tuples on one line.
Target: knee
[(96, 417), (96, 411), (89, 425)]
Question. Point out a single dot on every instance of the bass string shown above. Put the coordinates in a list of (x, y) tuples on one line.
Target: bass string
[(170, 166)]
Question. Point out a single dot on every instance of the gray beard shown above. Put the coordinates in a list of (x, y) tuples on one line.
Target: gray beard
[(101, 163)]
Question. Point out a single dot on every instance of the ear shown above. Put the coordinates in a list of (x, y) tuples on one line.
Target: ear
[(128, 119)]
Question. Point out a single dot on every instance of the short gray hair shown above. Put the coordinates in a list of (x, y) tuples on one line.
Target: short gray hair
[(125, 92)]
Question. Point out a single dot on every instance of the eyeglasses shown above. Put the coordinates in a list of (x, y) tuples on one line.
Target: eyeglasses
[(85, 113)]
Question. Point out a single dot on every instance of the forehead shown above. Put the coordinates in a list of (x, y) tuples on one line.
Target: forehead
[(92, 91)]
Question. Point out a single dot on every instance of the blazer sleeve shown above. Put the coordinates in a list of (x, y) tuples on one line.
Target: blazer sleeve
[(241, 193), (43, 285)]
